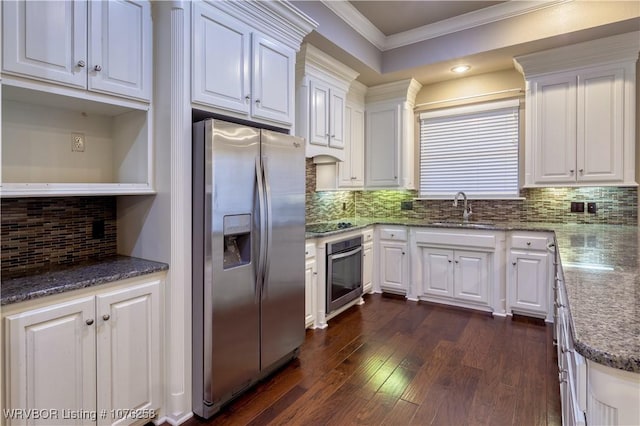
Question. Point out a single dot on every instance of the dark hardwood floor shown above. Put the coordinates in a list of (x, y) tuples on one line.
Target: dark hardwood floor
[(394, 362)]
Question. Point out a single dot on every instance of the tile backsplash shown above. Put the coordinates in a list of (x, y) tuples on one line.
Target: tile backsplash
[(43, 232), (614, 205)]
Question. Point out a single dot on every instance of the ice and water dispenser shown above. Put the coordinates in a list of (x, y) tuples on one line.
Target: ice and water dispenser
[(237, 240)]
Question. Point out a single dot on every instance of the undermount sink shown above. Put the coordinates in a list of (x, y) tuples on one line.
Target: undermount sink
[(458, 224)]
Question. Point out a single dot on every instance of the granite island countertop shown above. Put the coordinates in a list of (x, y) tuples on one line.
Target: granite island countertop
[(601, 267), (61, 279)]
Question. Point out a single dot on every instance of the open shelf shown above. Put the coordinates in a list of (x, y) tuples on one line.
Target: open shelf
[(37, 155)]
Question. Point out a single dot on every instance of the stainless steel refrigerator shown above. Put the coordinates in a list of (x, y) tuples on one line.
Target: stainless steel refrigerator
[(248, 257)]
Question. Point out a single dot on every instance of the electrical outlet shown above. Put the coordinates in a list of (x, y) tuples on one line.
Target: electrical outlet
[(406, 205), (577, 207), (77, 142), (591, 207)]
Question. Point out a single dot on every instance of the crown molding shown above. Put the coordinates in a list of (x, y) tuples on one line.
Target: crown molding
[(278, 19), (356, 20), (619, 48), (311, 59), (407, 90), (499, 12)]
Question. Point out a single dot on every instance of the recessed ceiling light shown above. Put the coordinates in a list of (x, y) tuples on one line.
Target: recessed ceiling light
[(459, 69)]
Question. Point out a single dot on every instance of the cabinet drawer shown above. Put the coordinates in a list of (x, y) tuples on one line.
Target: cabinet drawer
[(528, 242), (396, 234), (310, 250), (367, 236)]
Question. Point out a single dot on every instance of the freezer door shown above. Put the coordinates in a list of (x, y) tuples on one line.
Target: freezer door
[(282, 296), (230, 235)]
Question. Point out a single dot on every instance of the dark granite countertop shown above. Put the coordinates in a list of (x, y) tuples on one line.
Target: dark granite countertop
[(72, 277), (601, 266)]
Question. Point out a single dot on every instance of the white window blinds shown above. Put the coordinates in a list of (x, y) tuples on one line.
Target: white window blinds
[(472, 149)]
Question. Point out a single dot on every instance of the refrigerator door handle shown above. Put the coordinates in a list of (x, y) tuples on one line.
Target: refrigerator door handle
[(260, 275), (269, 218)]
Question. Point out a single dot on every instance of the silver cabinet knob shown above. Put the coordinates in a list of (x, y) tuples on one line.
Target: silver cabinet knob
[(450, 260), (457, 261), (528, 243), (81, 64), (97, 68), (89, 321), (514, 263), (571, 171), (247, 98), (581, 171), (258, 101), (106, 317), (333, 136)]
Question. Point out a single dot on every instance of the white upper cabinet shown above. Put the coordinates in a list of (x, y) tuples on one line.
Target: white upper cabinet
[(351, 170), (273, 80), (114, 68), (63, 25), (217, 39), (389, 136), (322, 84), (238, 67), (100, 46), (580, 119)]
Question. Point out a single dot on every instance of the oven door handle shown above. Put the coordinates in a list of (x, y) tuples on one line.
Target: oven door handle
[(345, 254)]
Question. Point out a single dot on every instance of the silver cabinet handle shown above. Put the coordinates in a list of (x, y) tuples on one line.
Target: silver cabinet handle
[(81, 64), (89, 321), (97, 68), (106, 317)]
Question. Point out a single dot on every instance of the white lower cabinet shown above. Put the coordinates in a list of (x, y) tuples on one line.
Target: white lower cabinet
[(367, 267), (393, 260), (90, 359), (310, 284), (530, 274), (457, 274)]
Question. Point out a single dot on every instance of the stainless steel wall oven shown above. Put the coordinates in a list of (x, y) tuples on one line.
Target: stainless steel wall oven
[(344, 272)]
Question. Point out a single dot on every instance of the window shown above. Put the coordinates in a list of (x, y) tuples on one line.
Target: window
[(472, 149)]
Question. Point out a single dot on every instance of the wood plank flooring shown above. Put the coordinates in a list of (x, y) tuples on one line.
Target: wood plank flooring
[(394, 362)]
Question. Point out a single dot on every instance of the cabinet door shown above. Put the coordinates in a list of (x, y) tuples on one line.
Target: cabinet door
[(219, 39), (120, 48), (600, 126), (128, 349), (351, 170), (46, 40), (273, 80), (471, 276), (367, 267), (393, 266), (382, 146), (528, 281), (52, 360), (310, 279), (437, 271), (319, 125), (554, 131), (336, 118)]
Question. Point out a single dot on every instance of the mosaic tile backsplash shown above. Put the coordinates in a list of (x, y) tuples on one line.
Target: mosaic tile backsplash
[(43, 232), (614, 205)]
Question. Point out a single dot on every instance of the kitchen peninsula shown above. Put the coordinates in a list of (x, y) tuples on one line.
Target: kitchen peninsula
[(596, 299)]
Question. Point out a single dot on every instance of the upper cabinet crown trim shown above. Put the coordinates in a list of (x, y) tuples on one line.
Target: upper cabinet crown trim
[(404, 89), (623, 47), (279, 19), (312, 59)]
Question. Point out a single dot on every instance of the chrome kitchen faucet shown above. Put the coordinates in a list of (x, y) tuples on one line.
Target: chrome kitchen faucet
[(467, 209)]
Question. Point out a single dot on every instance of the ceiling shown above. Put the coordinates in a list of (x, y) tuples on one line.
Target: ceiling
[(448, 26), (407, 15)]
